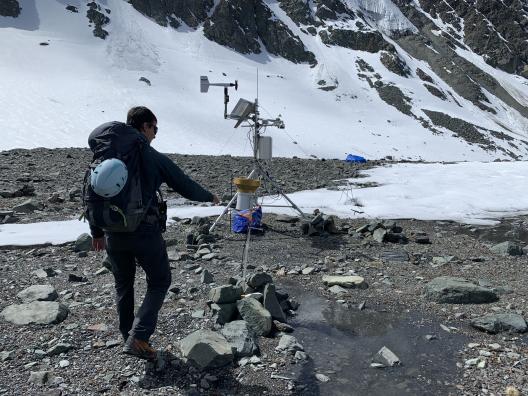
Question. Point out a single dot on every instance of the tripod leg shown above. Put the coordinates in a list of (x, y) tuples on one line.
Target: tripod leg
[(285, 196), (223, 213)]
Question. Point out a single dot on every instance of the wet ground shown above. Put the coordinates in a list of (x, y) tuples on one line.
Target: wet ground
[(342, 342)]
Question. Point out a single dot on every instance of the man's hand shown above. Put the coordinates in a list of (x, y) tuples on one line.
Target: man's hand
[(216, 200), (98, 244)]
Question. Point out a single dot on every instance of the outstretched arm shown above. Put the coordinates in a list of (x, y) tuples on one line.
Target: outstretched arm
[(180, 182)]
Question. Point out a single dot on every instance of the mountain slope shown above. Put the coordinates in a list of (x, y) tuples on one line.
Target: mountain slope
[(405, 79)]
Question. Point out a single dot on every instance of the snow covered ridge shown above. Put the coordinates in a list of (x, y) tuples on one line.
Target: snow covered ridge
[(376, 78)]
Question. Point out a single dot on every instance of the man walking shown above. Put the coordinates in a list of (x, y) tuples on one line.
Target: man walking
[(146, 244)]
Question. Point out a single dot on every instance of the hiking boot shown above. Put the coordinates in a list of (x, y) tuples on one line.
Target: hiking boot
[(139, 348)]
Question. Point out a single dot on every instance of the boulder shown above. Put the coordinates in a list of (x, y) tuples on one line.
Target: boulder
[(39, 377), (337, 289), (386, 357), (83, 243), (36, 312), (27, 206), (224, 312), (241, 338), (38, 293), (496, 323), (206, 349), (259, 280), (225, 294), (451, 290), (379, 235), (207, 277), (346, 281), (257, 317), (271, 303), (288, 343), (508, 248)]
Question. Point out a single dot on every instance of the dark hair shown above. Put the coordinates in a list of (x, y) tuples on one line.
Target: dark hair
[(138, 115)]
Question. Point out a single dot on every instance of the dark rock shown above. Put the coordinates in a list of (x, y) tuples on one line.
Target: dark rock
[(190, 12), (241, 338), (356, 40), (259, 280), (225, 294), (207, 277), (240, 24), (435, 91), (451, 290), (463, 129), (27, 206), (395, 64), (145, 80), (206, 349), (299, 11), (76, 278), (9, 8), (224, 312), (393, 96), (271, 303), (424, 76), (256, 316), (282, 327), (497, 323), (83, 243), (98, 19)]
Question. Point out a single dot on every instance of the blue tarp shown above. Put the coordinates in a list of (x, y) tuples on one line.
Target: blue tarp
[(240, 222), (355, 159)]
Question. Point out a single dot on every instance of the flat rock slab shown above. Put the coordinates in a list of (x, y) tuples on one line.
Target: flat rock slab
[(38, 293), (207, 349), (36, 312), (451, 290), (496, 323), (257, 317), (394, 256), (346, 281)]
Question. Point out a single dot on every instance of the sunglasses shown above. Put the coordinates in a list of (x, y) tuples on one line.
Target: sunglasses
[(155, 128)]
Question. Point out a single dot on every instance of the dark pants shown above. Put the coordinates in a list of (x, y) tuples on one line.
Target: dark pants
[(146, 245)]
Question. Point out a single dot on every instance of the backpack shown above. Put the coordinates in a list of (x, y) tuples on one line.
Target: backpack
[(125, 211)]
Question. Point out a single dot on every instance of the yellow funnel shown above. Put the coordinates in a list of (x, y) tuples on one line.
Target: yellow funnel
[(245, 185)]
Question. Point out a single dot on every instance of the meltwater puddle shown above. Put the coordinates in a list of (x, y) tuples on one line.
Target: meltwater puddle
[(341, 343)]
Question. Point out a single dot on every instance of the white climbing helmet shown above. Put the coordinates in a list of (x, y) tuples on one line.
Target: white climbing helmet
[(109, 177)]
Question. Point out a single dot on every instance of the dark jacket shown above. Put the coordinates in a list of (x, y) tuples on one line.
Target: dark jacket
[(156, 168)]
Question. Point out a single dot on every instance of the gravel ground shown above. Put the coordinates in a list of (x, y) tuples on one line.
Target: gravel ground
[(95, 365)]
